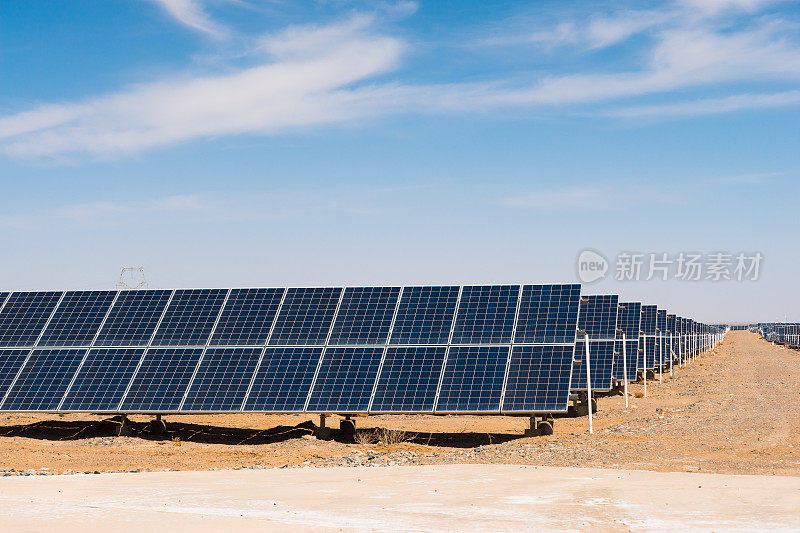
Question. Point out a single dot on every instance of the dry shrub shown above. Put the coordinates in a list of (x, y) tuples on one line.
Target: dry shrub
[(365, 437), (176, 441), (387, 437)]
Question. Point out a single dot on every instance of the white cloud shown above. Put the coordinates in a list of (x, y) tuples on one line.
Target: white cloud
[(709, 106), (587, 196), (191, 13), (305, 85)]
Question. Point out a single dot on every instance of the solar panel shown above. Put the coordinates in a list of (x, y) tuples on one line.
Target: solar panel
[(632, 357), (538, 379), (486, 314), (473, 379), (345, 380), (77, 319), (649, 313), (408, 379), (548, 314), (425, 315), (247, 317), (305, 316), (10, 363), (43, 380), (650, 353), (283, 379), (133, 318), (102, 379), (162, 379), (222, 379), (602, 364), (629, 319), (598, 316), (24, 315), (190, 317), (365, 315)]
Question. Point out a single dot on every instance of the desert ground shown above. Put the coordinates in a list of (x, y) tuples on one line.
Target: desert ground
[(733, 411)]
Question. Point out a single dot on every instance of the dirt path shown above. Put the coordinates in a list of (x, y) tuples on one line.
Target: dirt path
[(734, 411)]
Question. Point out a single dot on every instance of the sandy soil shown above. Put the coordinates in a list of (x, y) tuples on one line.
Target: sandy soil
[(430, 498), (735, 411)]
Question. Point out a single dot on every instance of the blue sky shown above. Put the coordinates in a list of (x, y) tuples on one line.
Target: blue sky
[(247, 143)]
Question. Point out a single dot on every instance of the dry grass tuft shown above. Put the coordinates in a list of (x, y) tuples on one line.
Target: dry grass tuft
[(382, 436)]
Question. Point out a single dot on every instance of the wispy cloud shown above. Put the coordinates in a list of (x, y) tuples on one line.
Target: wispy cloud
[(586, 196), (313, 75), (710, 106), (192, 14)]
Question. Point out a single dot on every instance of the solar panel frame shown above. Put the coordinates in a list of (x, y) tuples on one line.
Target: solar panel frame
[(486, 314), (482, 393), (541, 300), (43, 380), (278, 387), (598, 316), (353, 367), (99, 386), (11, 362), (159, 384), (397, 376), (601, 353), (425, 315), (190, 317), (222, 379), (307, 329), (77, 319), (25, 315), (354, 324), (248, 317), (134, 318), (539, 394)]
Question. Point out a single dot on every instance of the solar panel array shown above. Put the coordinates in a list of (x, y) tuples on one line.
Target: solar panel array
[(477, 349)]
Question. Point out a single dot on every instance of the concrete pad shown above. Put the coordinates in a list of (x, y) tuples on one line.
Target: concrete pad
[(429, 498)]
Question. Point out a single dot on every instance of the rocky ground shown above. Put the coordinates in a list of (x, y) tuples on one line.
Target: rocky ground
[(732, 411)]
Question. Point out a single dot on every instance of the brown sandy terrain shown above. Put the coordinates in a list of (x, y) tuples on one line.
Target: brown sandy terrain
[(733, 411)]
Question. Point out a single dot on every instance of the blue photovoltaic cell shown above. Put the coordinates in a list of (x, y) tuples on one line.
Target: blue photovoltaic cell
[(650, 352), (133, 318), (284, 379), (473, 379), (24, 316), (77, 319), (425, 315), (598, 316), (661, 321), (305, 316), (631, 359), (548, 314), (10, 363), (602, 363), (222, 379), (409, 378), (162, 380), (671, 320), (538, 379), (649, 313), (629, 319), (365, 315), (247, 317), (345, 379), (102, 379), (190, 317), (486, 314), (43, 380)]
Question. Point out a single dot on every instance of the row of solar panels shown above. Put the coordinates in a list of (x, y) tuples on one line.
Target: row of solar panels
[(787, 333), (487, 349)]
